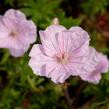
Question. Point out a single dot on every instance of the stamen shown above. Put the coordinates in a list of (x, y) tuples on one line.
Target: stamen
[(62, 58), (13, 33)]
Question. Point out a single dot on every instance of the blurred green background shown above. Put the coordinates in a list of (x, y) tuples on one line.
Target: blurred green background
[(21, 89)]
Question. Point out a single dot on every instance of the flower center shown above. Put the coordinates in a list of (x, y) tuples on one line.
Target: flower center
[(62, 58), (13, 33)]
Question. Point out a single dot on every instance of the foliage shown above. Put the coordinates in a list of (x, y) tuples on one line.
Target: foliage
[(92, 7)]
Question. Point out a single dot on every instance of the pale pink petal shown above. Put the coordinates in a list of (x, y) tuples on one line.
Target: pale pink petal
[(50, 67), (17, 52), (12, 18), (36, 66), (50, 45), (13, 14), (71, 42), (38, 53), (4, 32), (91, 61), (13, 43), (85, 64), (80, 36), (8, 42), (103, 65), (10, 24), (39, 59), (95, 75), (36, 49), (79, 32), (58, 74), (95, 79), (27, 30), (64, 40), (48, 39), (51, 31)]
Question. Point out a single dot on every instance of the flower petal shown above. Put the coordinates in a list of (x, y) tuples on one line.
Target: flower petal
[(102, 66), (27, 30), (37, 49), (50, 46), (51, 31), (57, 73), (17, 52), (39, 59), (13, 14), (91, 61), (92, 78), (4, 32), (80, 32), (70, 41)]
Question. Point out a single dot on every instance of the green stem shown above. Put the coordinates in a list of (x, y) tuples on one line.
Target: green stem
[(66, 94)]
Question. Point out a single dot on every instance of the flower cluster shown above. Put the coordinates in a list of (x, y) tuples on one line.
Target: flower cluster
[(16, 33), (65, 53), (62, 53)]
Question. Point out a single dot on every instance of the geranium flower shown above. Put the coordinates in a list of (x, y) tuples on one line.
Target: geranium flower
[(16, 32), (101, 67), (63, 53)]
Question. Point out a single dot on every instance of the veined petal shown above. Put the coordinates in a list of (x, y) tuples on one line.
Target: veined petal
[(38, 63), (36, 66), (50, 67), (7, 42), (36, 49), (71, 42), (51, 31), (50, 45), (39, 59), (64, 40), (48, 39), (17, 52), (91, 78), (13, 14), (59, 74), (4, 32), (95, 75), (103, 65), (80, 32), (91, 61), (27, 31)]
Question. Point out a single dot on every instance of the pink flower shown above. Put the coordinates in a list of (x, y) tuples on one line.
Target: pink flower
[(16, 32), (101, 67), (62, 53)]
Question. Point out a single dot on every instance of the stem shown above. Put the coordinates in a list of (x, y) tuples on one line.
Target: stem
[(77, 98), (69, 101)]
